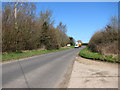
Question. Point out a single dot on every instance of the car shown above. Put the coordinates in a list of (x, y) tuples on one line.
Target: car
[(76, 46)]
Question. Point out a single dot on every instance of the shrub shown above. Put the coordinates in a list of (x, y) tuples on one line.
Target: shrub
[(106, 41)]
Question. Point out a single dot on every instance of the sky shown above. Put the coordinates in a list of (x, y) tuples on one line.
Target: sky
[(61, 0), (83, 19)]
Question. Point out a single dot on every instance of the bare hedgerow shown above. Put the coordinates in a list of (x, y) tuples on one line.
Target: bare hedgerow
[(106, 41), (27, 31)]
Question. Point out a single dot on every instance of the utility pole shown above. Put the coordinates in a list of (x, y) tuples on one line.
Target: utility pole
[(15, 14), (16, 27)]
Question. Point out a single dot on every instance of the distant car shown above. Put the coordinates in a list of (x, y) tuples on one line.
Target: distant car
[(76, 46), (68, 45)]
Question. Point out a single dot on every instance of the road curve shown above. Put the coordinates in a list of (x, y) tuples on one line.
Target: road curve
[(43, 71)]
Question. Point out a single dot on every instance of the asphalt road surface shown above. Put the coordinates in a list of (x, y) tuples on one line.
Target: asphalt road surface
[(43, 71)]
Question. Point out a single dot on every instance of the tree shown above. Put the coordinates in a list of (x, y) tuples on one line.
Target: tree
[(79, 41), (63, 38), (71, 41), (17, 39), (45, 34), (49, 37), (22, 29)]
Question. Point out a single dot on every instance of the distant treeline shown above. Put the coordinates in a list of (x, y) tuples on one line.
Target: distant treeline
[(105, 41), (84, 43), (24, 29)]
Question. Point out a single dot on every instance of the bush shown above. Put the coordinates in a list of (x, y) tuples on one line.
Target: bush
[(106, 41)]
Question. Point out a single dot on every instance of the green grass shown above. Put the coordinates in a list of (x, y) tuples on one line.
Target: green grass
[(29, 53), (86, 53)]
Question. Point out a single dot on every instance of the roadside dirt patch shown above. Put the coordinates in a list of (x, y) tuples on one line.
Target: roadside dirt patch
[(88, 73)]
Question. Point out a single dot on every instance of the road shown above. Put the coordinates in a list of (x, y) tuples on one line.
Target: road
[(43, 71)]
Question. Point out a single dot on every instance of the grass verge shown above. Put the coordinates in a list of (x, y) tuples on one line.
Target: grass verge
[(87, 53), (29, 53)]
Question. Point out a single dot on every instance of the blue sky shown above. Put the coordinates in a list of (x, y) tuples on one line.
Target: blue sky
[(83, 19)]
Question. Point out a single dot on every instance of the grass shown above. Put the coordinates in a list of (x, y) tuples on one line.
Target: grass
[(87, 53), (29, 53)]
